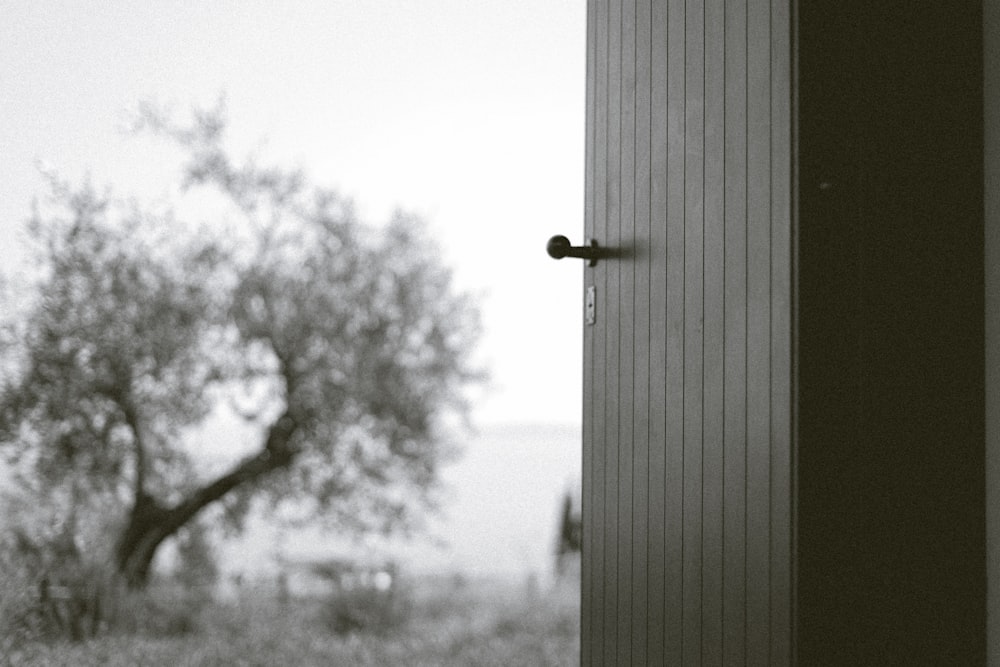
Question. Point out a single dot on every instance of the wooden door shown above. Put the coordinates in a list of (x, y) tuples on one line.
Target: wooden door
[(687, 400)]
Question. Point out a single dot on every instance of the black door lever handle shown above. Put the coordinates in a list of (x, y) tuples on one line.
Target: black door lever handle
[(559, 247)]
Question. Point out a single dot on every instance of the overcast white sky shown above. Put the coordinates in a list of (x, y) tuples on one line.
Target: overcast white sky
[(469, 112)]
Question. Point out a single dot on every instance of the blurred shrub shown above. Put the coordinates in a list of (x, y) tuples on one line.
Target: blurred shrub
[(57, 581), (367, 609), (165, 610), (50, 592), (21, 618), (57, 574)]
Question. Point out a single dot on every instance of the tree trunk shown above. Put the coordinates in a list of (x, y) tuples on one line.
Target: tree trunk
[(145, 531), (150, 523)]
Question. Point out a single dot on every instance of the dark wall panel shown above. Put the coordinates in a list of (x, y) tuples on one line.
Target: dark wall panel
[(685, 416), (891, 554)]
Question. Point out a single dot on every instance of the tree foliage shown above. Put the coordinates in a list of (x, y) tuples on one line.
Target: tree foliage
[(344, 344)]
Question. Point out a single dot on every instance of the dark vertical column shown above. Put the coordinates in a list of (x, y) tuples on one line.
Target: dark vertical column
[(991, 142), (828, 329)]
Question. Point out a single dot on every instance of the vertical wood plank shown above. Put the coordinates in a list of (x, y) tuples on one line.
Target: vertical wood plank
[(758, 333), (781, 339), (734, 567), (612, 409), (642, 415), (714, 335), (586, 581), (597, 527), (626, 318), (587, 555), (660, 520), (694, 232), (674, 565)]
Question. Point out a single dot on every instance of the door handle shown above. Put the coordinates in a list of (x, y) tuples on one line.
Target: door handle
[(559, 247)]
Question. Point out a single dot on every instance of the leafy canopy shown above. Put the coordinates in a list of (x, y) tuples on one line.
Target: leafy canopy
[(288, 311)]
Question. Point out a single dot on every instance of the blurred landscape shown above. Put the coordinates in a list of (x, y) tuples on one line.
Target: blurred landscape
[(277, 259)]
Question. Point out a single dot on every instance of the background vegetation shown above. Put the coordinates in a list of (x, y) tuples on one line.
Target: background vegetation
[(431, 622)]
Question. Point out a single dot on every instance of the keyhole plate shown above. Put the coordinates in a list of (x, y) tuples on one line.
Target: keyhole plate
[(591, 305)]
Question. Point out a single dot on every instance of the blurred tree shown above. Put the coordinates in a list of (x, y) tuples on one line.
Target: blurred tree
[(345, 344)]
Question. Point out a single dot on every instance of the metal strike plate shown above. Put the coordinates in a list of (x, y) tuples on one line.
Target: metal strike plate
[(590, 309)]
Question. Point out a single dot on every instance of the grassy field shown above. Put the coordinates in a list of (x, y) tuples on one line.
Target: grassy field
[(437, 623)]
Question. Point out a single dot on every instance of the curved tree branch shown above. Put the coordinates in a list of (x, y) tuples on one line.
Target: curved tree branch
[(150, 523)]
